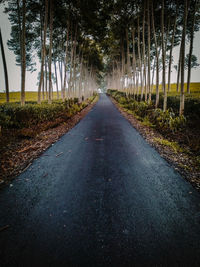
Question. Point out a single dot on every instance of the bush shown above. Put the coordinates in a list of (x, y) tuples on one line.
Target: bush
[(13, 115), (163, 121)]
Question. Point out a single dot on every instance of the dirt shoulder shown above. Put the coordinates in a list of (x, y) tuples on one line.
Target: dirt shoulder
[(183, 162), (18, 153)]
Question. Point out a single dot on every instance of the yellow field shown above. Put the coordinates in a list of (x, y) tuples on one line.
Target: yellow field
[(15, 96), (194, 89), (32, 96)]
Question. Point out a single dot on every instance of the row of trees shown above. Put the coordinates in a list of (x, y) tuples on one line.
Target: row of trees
[(60, 34), (141, 40)]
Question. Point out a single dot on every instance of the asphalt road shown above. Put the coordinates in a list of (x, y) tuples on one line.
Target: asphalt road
[(100, 196)]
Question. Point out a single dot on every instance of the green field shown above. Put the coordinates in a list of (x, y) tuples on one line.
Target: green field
[(15, 96)]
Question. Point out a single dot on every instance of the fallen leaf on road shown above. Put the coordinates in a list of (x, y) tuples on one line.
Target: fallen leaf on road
[(59, 154), (4, 227)]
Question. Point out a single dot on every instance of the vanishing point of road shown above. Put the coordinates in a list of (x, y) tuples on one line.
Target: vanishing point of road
[(100, 196)]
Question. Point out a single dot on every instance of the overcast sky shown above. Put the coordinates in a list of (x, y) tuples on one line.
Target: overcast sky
[(31, 78)]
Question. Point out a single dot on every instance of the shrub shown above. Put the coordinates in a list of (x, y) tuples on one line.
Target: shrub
[(13, 115)]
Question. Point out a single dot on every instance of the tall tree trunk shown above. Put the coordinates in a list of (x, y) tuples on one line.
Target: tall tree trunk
[(4, 68), (23, 46), (144, 56), (139, 59), (182, 100), (163, 59), (157, 57), (148, 53), (191, 48), (171, 49), (46, 78), (55, 69), (178, 70), (50, 50), (128, 59), (65, 64), (43, 52), (133, 58)]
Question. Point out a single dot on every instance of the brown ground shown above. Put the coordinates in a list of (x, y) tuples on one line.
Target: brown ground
[(183, 162), (17, 152)]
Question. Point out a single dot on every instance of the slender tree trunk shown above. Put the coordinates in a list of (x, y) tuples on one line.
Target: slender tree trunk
[(46, 78), (163, 59), (178, 70), (144, 56), (23, 45), (133, 58), (171, 49), (157, 58), (191, 48), (128, 59), (139, 60), (5, 68), (55, 68), (149, 43), (65, 64), (43, 52), (182, 100), (50, 50), (74, 64)]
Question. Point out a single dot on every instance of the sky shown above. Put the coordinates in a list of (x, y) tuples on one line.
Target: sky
[(31, 78)]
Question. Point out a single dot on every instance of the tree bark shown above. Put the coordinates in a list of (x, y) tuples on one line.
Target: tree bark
[(4, 68), (50, 50), (148, 53), (139, 59), (65, 64), (23, 46), (163, 59), (182, 100), (144, 56), (157, 58), (171, 49), (43, 53), (191, 48)]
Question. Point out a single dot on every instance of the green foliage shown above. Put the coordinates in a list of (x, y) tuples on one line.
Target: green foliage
[(167, 121), (13, 115)]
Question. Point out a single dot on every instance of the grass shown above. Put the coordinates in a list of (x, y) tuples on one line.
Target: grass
[(174, 145), (15, 96)]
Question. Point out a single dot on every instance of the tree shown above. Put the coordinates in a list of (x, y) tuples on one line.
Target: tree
[(43, 51), (182, 52), (50, 50), (4, 67), (23, 53)]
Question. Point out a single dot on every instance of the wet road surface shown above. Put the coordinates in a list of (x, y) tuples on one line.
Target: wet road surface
[(100, 196)]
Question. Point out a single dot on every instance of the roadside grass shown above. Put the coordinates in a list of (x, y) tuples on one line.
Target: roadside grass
[(174, 145)]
